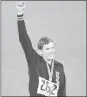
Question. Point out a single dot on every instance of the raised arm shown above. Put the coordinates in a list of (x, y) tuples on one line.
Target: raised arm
[(24, 39)]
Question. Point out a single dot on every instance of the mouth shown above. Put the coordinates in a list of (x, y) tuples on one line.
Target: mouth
[(51, 55)]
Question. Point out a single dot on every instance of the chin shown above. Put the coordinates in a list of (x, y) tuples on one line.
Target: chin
[(52, 58)]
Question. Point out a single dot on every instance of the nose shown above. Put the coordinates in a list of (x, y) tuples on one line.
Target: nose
[(52, 50)]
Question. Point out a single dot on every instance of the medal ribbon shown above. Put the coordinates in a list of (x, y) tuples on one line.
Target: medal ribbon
[(50, 72)]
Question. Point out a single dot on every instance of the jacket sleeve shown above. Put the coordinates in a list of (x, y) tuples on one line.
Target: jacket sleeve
[(62, 91), (24, 39)]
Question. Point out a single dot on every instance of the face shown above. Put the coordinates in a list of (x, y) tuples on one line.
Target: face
[(48, 51)]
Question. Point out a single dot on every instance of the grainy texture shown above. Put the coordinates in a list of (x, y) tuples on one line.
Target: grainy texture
[(65, 23)]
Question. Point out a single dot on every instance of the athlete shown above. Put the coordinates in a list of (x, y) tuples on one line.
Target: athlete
[(47, 77)]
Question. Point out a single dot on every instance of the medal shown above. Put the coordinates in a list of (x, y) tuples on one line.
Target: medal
[(50, 72)]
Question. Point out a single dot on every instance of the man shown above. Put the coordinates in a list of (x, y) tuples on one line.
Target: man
[(47, 77)]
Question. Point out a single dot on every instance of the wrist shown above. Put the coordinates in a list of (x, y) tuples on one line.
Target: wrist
[(20, 11), (20, 17)]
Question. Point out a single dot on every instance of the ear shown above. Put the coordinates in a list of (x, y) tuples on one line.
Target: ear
[(40, 52)]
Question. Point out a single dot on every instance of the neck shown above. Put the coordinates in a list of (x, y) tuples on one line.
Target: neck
[(48, 61)]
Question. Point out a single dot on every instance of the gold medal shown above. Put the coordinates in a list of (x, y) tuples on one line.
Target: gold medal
[(50, 72)]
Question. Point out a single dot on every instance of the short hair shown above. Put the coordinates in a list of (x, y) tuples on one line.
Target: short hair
[(43, 41)]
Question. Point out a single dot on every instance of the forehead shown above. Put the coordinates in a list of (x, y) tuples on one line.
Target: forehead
[(49, 45)]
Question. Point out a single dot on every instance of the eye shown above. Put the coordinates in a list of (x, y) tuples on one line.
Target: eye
[(52, 47), (47, 48)]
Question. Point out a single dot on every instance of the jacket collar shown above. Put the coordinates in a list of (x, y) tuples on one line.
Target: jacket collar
[(43, 60)]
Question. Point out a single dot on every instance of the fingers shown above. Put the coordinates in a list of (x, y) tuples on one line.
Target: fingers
[(21, 5)]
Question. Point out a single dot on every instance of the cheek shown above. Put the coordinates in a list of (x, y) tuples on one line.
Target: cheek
[(46, 53), (54, 51)]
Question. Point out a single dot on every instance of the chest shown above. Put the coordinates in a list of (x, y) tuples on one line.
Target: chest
[(42, 71), (45, 86)]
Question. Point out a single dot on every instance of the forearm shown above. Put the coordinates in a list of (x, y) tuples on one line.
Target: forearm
[(23, 36), (24, 39)]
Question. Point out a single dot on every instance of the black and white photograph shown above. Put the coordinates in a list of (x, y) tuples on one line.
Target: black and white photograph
[(43, 48)]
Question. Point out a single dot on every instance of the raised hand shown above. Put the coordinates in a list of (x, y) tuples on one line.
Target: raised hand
[(20, 7)]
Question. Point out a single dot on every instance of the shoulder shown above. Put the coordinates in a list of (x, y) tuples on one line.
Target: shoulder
[(58, 64)]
